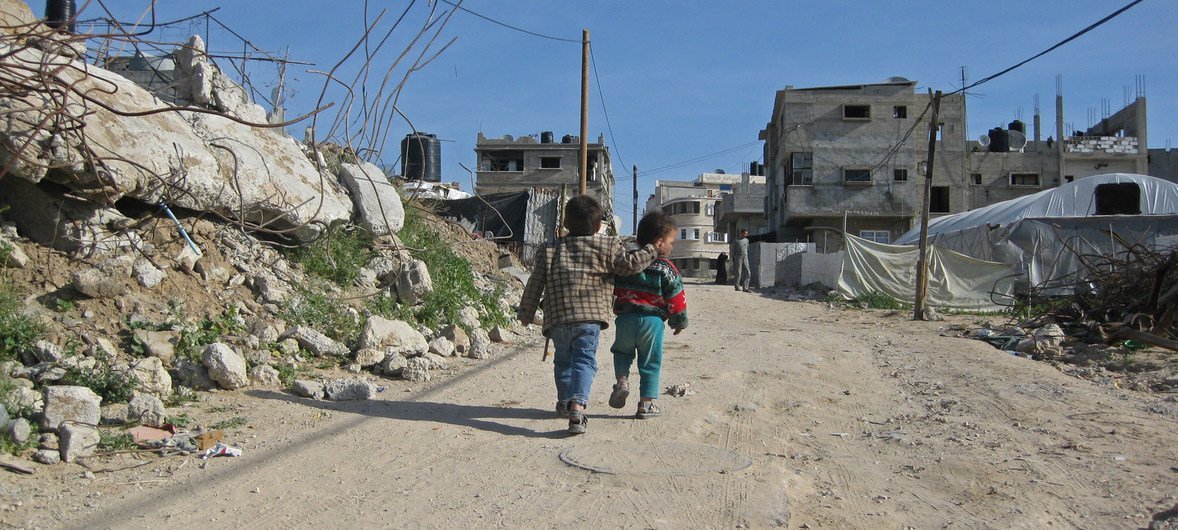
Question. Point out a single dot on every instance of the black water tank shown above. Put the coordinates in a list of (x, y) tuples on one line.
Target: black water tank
[(59, 14), (999, 140), (421, 157), (546, 137), (567, 139), (1018, 125)]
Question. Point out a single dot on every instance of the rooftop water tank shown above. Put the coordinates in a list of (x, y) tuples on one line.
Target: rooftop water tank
[(546, 137), (59, 14), (999, 140), (421, 157)]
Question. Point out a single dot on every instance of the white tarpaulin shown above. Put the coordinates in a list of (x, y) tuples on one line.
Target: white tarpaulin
[(954, 280)]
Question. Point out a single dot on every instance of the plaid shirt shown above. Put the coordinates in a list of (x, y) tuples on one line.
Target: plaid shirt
[(580, 287)]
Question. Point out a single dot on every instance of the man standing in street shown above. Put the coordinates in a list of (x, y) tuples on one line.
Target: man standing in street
[(740, 259)]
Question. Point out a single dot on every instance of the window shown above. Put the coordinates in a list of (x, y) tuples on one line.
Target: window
[(502, 161), (725, 188), (900, 111), (695, 207), (695, 234), (1123, 198), (550, 162), (682, 233), (800, 171), (976, 178), (856, 112), (878, 236), (939, 200), (1024, 179), (695, 263), (717, 237), (900, 175), (669, 210), (710, 209), (857, 175)]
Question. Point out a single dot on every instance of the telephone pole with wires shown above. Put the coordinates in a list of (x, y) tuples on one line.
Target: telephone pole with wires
[(922, 253), (635, 216), (584, 110)]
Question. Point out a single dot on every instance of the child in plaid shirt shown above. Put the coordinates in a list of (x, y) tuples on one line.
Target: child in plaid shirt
[(575, 275)]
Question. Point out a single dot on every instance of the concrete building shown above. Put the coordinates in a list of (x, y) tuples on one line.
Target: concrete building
[(692, 205), (516, 164), (743, 207), (1163, 164), (851, 156)]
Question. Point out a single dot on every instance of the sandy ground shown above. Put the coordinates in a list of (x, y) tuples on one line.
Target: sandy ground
[(801, 417)]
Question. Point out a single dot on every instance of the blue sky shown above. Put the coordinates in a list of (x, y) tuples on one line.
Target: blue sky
[(682, 80)]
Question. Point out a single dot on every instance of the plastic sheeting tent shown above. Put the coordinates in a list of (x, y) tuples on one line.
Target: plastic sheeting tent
[(1047, 235), (955, 280)]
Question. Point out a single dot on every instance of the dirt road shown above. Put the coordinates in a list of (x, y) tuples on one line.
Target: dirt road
[(802, 417)]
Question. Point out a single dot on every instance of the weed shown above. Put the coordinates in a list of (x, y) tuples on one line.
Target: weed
[(6, 249), (877, 300), (287, 374), (8, 445), (114, 386), (115, 441), (62, 305), (180, 396), (18, 331), (231, 423), (329, 316), (337, 255), (219, 409), (208, 331), (180, 421)]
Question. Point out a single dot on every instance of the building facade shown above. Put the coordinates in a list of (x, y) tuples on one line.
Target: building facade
[(743, 207), (517, 164), (692, 205), (852, 158)]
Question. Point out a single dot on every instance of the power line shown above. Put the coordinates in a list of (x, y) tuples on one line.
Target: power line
[(509, 26), (601, 95), (692, 161), (1057, 45)]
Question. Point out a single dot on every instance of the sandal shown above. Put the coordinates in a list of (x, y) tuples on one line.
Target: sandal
[(617, 399), (647, 409), (562, 409), (577, 422)]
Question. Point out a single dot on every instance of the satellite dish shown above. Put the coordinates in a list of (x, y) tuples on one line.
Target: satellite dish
[(984, 140), (1018, 140)]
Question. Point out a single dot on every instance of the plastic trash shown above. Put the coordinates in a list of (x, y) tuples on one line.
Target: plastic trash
[(220, 449)]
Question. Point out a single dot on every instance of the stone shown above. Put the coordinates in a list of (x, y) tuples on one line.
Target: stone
[(47, 456), (147, 409), (187, 259), (266, 333), (416, 369), (413, 282), (12, 256), (102, 348), (64, 223), (48, 440), (441, 346), (288, 347), (45, 351), (436, 362), (366, 278), (70, 405), (366, 357), (160, 344), (115, 414), (468, 317), (375, 200), (480, 344), (393, 365), (385, 268), (384, 334), (4, 419), (348, 390), (305, 388), (24, 398), (498, 334), (225, 366), (152, 377), (78, 441), (265, 376), (146, 274), (315, 342), (194, 375), (458, 337), (932, 315), (269, 289), (18, 430), (108, 279)]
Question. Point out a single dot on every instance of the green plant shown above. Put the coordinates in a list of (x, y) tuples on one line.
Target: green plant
[(10, 446), (877, 300), (181, 420), (113, 385), (62, 305), (6, 250), (337, 255), (115, 441), (18, 331), (287, 374), (181, 395), (231, 423), (208, 331), (327, 315)]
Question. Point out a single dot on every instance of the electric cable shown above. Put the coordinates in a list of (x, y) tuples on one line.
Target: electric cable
[(509, 26)]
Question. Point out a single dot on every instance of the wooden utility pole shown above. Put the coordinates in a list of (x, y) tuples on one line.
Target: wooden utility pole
[(635, 225), (922, 259), (584, 110)]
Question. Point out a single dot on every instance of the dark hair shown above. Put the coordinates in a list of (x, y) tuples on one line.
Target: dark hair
[(744, 230), (582, 216), (654, 225)]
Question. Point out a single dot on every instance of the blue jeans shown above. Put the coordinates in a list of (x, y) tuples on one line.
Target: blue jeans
[(574, 364), (639, 336)]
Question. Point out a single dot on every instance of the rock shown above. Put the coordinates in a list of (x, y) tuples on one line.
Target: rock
[(348, 390), (18, 430), (315, 342), (498, 334), (47, 456), (468, 317), (384, 334), (393, 365), (225, 366), (147, 410), (441, 346), (194, 375), (436, 362), (147, 274), (288, 347), (160, 344), (4, 419), (269, 289), (77, 441), (116, 414), (305, 388), (70, 404), (108, 279), (932, 315), (266, 333), (152, 377), (480, 344), (458, 337), (259, 358), (12, 256), (102, 348), (366, 357), (385, 268), (46, 351), (367, 278), (416, 369), (413, 282), (187, 259), (264, 375), (64, 223), (376, 203), (48, 441), (25, 398)]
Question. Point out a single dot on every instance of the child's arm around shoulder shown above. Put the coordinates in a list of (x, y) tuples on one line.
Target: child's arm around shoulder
[(627, 262), (675, 297), (530, 300)]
